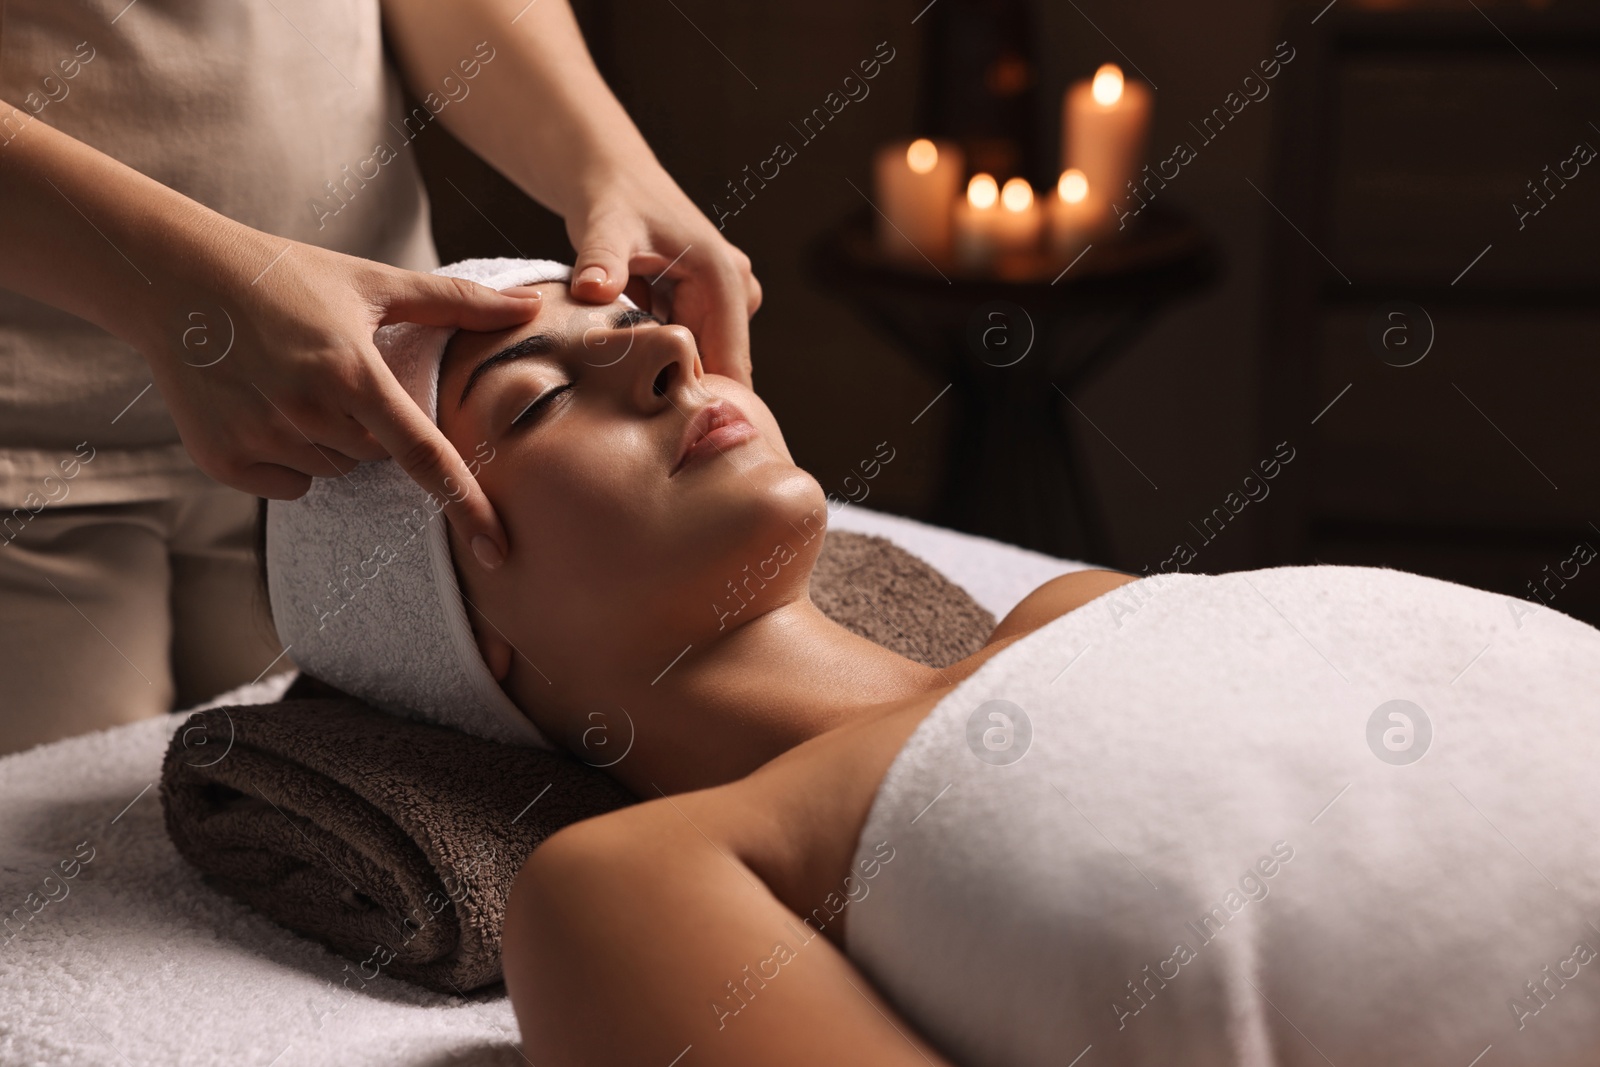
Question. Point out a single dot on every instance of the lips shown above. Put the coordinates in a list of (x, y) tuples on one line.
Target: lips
[(714, 429)]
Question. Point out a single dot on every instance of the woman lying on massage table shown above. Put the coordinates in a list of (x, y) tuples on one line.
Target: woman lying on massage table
[(1178, 819)]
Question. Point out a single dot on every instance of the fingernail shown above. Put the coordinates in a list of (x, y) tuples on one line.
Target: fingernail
[(488, 552), (592, 276)]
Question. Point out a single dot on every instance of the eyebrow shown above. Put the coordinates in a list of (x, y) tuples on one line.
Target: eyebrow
[(542, 344)]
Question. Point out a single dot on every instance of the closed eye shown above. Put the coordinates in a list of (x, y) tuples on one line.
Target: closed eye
[(532, 412)]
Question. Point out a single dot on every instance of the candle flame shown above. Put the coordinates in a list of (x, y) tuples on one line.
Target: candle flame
[(1073, 186), (922, 156), (982, 192), (1017, 196), (1107, 88)]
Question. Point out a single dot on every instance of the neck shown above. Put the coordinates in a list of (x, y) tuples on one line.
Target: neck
[(785, 676)]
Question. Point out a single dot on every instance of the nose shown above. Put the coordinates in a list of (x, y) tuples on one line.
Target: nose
[(665, 359)]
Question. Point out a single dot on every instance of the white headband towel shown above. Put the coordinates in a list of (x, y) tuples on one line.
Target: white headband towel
[(359, 571)]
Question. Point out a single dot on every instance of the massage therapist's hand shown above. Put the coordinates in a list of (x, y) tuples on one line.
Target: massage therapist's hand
[(540, 113), (302, 391), (641, 224), (261, 346)]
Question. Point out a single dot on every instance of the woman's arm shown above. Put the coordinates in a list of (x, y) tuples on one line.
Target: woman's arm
[(539, 112), (302, 390), (636, 938), (1053, 599)]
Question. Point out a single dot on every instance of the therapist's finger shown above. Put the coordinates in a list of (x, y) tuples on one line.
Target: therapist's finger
[(337, 433), (725, 342), (352, 438), (271, 481), (601, 269), (425, 454), (713, 305), (435, 300), (316, 460)]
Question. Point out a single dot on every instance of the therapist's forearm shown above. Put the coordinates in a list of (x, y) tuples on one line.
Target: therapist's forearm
[(539, 112), (84, 233)]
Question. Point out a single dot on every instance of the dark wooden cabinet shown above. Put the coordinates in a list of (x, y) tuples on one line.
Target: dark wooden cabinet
[(1434, 191)]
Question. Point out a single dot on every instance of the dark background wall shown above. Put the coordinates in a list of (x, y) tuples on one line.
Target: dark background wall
[(715, 83)]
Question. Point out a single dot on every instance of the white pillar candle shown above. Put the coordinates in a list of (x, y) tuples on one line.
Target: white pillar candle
[(1018, 223), (992, 221), (915, 185), (974, 222), (1078, 215), (1104, 125)]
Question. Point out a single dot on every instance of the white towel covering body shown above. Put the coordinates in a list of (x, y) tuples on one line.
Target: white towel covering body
[(1225, 843)]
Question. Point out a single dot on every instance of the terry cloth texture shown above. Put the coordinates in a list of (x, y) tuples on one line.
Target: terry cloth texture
[(359, 569), (393, 842), (396, 842), (888, 595), (1199, 807)]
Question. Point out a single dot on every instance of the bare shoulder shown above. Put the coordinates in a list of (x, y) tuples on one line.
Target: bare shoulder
[(789, 828), (792, 825), (1055, 598), (634, 936), (795, 821)]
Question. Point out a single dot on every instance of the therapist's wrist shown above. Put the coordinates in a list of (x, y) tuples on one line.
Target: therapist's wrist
[(601, 161), (199, 260)]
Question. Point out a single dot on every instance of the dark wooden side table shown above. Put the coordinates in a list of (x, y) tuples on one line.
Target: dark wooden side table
[(1014, 344)]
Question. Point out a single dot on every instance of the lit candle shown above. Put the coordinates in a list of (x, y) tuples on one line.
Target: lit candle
[(1078, 214), (1018, 223), (1104, 124), (975, 225), (915, 185), (992, 221)]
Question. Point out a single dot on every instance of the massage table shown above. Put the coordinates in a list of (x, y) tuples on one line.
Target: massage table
[(133, 960)]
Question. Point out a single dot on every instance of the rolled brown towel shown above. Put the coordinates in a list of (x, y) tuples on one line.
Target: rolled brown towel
[(392, 841), (396, 842)]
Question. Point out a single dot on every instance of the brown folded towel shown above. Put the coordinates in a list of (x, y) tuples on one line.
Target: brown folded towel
[(396, 842)]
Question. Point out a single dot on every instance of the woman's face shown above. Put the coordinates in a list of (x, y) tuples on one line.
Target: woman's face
[(638, 494)]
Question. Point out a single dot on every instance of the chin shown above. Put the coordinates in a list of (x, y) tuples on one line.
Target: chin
[(757, 506), (760, 544), (800, 511)]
